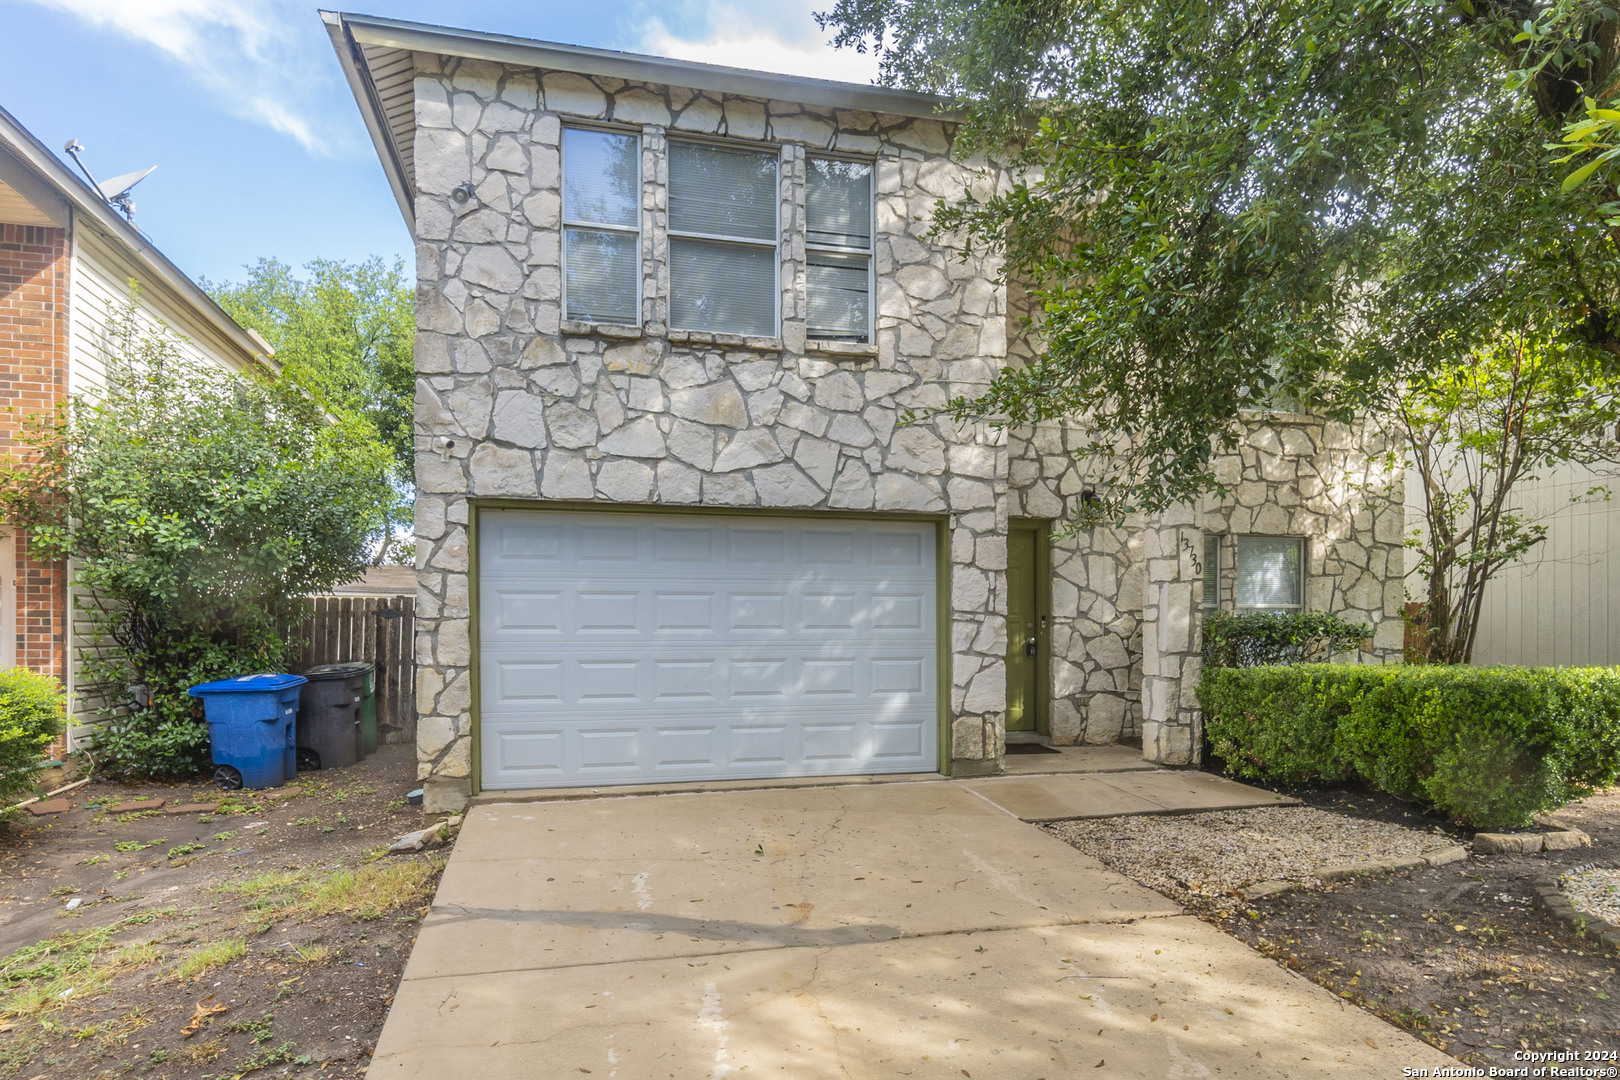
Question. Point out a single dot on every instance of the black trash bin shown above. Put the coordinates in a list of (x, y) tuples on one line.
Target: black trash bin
[(329, 735)]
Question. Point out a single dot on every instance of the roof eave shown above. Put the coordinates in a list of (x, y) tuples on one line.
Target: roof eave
[(33, 153), (365, 96), (639, 67)]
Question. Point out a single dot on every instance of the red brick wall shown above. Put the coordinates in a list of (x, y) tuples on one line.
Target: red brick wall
[(33, 379)]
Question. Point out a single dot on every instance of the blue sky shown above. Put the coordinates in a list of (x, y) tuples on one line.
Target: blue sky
[(259, 147)]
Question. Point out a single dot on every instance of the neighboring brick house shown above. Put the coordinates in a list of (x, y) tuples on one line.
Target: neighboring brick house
[(67, 264), (687, 505)]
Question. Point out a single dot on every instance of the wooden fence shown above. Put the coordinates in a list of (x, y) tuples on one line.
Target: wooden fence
[(379, 630)]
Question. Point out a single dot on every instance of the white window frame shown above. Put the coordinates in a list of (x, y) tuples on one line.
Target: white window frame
[(1299, 584), (623, 230), (870, 250), (775, 244)]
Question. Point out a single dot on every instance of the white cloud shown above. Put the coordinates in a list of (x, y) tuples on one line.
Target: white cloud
[(781, 37), (258, 58)]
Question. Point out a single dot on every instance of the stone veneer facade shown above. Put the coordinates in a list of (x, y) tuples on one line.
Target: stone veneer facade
[(513, 402)]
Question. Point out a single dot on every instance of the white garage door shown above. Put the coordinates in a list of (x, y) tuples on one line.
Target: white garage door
[(635, 648)]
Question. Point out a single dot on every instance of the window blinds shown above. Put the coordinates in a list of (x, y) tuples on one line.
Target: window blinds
[(1212, 570), (838, 215), (602, 285), (601, 178), (728, 285), (602, 188), (838, 203), (1269, 572), (722, 288), (721, 191)]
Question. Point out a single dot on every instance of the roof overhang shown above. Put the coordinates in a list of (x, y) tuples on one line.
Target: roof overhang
[(29, 168), (366, 43)]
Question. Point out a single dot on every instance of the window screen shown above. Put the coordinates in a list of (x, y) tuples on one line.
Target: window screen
[(1270, 572), (1212, 571), (602, 226), (838, 256), (722, 248)]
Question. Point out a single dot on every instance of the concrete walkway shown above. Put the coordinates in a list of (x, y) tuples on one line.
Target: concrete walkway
[(873, 930)]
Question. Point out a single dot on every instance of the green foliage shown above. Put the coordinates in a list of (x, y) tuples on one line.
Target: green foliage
[(32, 712), (1489, 747), (203, 507), (1475, 433), (1307, 201), (344, 334), (1251, 638)]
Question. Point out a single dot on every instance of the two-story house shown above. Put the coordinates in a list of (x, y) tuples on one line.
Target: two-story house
[(688, 504)]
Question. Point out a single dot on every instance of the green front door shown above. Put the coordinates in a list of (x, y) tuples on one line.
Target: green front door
[(1026, 637)]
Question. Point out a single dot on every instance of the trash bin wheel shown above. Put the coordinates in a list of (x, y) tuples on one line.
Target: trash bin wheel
[(308, 760), (227, 778)]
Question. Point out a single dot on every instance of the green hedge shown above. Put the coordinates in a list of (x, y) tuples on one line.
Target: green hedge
[(1489, 747), (1252, 638), (32, 711)]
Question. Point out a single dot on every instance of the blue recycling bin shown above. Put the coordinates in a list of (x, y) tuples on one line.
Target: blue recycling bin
[(250, 728)]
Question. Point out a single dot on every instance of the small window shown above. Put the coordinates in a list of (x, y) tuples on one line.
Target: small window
[(722, 247), (602, 226), (1270, 572), (1212, 570), (838, 249)]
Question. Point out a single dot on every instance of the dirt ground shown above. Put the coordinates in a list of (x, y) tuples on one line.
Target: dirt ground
[(1459, 955), (268, 934)]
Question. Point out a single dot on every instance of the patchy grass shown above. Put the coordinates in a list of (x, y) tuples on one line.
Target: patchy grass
[(67, 969), (94, 860), (208, 957), (367, 893), (260, 1029), (181, 850), (136, 845)]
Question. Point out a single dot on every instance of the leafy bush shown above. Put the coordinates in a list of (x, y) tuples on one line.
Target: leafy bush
[(1251, 638), (32, 712), (203, 507), (1489, 747)]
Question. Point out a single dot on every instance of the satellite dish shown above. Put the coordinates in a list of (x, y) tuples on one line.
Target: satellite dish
[(116, 191), (118, 187)]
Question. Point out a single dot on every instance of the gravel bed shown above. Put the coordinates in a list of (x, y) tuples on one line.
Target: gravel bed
[(1205, 857), (1593, 891)]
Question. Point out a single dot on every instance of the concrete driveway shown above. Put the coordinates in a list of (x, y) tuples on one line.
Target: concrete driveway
[(876, 930)]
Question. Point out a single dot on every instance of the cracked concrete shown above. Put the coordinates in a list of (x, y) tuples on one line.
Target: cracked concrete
[(848, 931)]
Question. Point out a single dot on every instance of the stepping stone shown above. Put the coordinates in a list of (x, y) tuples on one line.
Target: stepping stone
[(49, 806), (138, 804), (193, 808)]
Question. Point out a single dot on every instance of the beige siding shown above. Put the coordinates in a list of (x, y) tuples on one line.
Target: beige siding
[(99, 286), (1561, 605), (100, 282)]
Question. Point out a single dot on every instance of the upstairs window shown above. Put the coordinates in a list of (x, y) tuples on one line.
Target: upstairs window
[(838, 249), (602, 226), (1270, 572), (722, 239)]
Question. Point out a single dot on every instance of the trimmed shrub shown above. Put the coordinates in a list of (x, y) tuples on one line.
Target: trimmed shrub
[(1251, 638), (1488, 747), (32, 712)]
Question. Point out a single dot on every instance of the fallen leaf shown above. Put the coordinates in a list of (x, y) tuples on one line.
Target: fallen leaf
[(1372, 1044), (200, 1014), (1152, 1018), (1100, 1064)]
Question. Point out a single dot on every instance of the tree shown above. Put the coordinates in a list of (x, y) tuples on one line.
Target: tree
[(1225, 204), (1523, 404), (344, 334), (197, 508)]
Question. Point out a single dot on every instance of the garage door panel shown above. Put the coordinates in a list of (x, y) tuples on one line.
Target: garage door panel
[(516, 682), (622, 647)]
